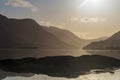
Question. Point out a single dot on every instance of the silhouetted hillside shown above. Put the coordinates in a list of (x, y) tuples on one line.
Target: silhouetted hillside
[(112, 43), (61, 66), (26, 33)]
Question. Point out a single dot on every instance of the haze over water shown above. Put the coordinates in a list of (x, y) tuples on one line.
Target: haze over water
[(38, 53)]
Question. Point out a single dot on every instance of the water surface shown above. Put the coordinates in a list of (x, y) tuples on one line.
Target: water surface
[(38, 53)]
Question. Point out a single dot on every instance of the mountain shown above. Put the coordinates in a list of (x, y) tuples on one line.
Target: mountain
[(26, 33), (98, 39), (69, 37), (61, 66), (66, 36), (112, 43)]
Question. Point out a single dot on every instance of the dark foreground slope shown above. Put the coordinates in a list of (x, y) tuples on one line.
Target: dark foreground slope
[(60, 66), (112, 43), (26, 33)]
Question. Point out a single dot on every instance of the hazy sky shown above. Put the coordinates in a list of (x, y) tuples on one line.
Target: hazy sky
[(86, 18)]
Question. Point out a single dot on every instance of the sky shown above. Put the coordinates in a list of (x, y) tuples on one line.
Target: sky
[(88, 19)]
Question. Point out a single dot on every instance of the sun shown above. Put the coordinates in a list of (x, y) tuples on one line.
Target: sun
[(94, 1), (90, 2)]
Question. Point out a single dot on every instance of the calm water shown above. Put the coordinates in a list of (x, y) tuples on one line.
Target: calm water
[(18, 53)]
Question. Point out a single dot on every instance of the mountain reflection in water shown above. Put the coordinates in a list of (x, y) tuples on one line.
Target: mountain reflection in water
[(18, 54)]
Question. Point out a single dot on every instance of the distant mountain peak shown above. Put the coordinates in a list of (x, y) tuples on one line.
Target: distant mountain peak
[(115, 36), (112, 43)]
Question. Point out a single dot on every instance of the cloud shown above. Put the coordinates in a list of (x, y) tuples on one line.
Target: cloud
[(45, 23), (48, 24), (92, 20), (88, 19), (22, 4), (74, 19)]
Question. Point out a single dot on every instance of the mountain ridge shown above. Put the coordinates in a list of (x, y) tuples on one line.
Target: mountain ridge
[(112, 43), (26, 33), (69, 37), (66, 36)]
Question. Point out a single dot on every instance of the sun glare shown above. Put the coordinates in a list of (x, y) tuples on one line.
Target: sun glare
[(90, 2), (94, 1)]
